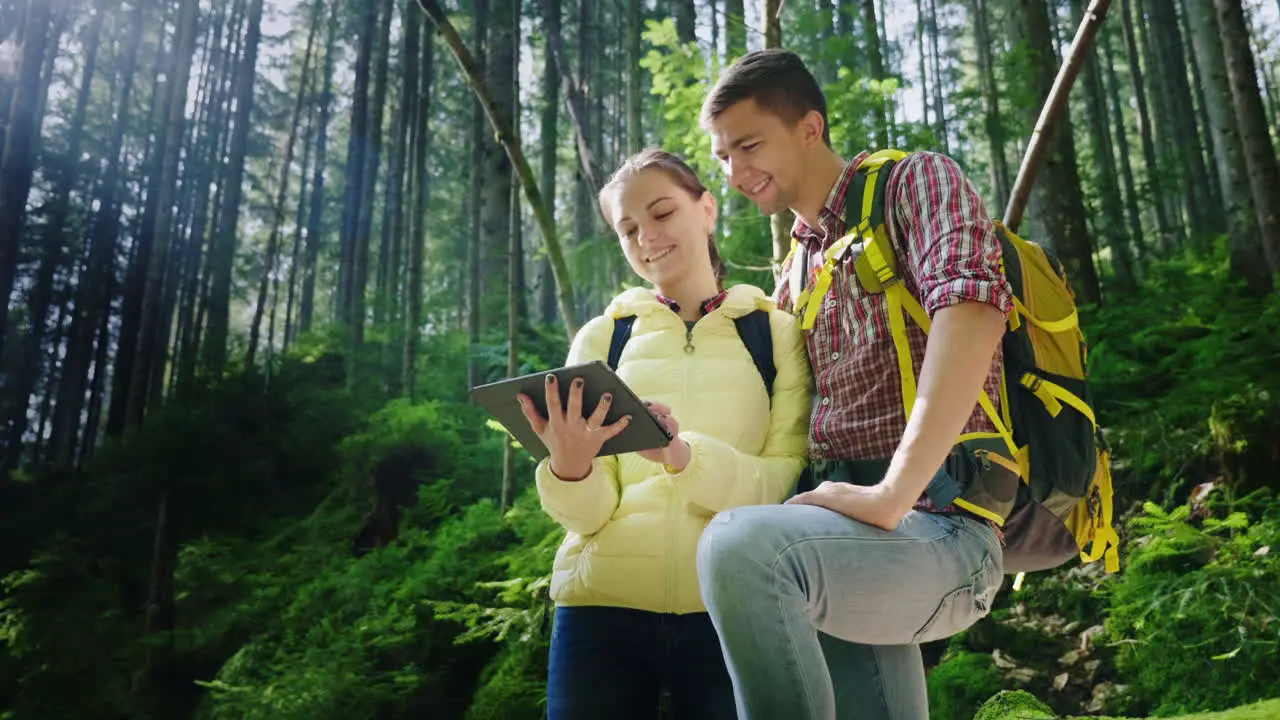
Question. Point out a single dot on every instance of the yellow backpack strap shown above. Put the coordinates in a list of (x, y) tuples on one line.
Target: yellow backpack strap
[(1106, 541), (878, 257), (1054, 395)]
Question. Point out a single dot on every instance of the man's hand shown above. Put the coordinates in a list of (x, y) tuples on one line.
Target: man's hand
[(870, 505)]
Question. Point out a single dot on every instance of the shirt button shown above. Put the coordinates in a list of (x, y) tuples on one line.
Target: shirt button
[(826, 401), (835, 356)]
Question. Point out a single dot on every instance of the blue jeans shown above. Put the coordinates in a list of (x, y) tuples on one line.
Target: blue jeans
[(615, 663), (821, 616)]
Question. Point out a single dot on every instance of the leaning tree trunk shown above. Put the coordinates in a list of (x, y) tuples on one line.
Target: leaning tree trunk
[(1056, 199), (511, 142), (1259, 154)]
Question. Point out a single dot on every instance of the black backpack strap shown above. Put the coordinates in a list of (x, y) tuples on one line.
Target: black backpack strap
[(621, 334), (756, 334)]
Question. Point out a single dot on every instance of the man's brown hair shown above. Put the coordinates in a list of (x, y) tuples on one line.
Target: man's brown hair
[(777, 80)]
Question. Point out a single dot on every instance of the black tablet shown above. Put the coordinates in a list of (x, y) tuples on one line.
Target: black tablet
[(644, 433)]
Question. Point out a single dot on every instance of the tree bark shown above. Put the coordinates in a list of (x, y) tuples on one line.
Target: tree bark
[(1121, 134), (422, 180), (1255, 137), (551, 123), (780, 223), (215, 345), (871, 35)]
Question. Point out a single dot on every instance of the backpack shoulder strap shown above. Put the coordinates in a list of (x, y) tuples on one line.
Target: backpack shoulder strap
[(756, 334), (621, 334)]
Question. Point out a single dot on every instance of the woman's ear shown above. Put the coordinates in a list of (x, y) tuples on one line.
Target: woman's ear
[(709, 209)]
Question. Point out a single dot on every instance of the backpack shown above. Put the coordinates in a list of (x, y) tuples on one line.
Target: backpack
[(753, 328), (1047, 432)]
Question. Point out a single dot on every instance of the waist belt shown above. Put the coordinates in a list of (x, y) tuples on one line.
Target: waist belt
[(941, 491)]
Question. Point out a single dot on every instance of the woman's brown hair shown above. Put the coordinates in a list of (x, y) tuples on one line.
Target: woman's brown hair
[(680, 173)]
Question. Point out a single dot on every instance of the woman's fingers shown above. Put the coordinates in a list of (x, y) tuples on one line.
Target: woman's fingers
[(596, 421), (573, 411), (555, 406), (536, 421), (608, 432), (658, 408)]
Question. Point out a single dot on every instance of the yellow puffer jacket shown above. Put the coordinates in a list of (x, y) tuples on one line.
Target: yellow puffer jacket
[(633, 528)]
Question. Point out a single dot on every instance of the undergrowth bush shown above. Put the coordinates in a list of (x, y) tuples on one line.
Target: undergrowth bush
[(1195, 618)]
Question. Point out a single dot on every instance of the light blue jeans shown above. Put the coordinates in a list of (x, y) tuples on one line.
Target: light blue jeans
[(820, 617)]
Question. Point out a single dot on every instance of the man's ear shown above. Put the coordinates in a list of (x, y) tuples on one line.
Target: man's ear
[(812, 126)]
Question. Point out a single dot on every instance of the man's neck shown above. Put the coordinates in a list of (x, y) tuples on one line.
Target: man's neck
[(814, 193), (690, 295)]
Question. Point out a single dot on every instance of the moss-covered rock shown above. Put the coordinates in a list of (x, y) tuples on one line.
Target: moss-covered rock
[(1014, 705), (958, 686)]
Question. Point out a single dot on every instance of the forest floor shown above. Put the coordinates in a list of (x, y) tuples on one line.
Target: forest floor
[(1018, 705)]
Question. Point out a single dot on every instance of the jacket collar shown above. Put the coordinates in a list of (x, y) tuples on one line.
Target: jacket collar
[(738, 301)]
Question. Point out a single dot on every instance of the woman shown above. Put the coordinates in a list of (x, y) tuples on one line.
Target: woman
[(630, 623)]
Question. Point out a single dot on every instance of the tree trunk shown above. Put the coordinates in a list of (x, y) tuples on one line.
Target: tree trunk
[(149, 355), (551, 122), (480, 23), (495, 217), (686, 18), (422, 180), (1056, 199), (1112, 227), (282, 190), (1255, 138), (1155, 186), (1247, 260), (780, 223), (1133, 215), (215, 345), (514, 295), (871, 35), (990, 104), (939, 103), (1167, 44), (92, 299), (393, 214), (1216, 211), (924, 63), (511, 142), (315, 217), (18, 161), (52, 260)]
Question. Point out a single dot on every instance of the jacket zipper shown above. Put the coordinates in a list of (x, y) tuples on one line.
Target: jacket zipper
[(673, 522)]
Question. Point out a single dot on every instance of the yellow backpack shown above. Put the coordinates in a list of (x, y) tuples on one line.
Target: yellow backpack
[(1046, 429)]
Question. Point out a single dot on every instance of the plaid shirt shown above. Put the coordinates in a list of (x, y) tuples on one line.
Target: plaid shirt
[(947, 253)]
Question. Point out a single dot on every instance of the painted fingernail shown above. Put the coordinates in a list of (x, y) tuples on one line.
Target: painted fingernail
[(626, 418), (551, 379), (577, 382), (607, 397), (647, 403)]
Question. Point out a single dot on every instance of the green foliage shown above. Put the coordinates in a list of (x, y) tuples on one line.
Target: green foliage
[(1194, 616), (960, 684), (1184, 377), (1014, 705)]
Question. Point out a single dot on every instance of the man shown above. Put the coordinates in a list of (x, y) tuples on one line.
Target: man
[(821, 603)]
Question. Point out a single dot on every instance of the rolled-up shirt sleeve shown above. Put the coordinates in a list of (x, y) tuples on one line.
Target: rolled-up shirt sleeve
[(949, 239)]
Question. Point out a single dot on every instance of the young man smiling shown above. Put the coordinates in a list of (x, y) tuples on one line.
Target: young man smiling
[(821, 603)]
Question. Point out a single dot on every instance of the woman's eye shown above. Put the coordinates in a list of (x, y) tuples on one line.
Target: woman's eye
[(664, 216), (752, 147)]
